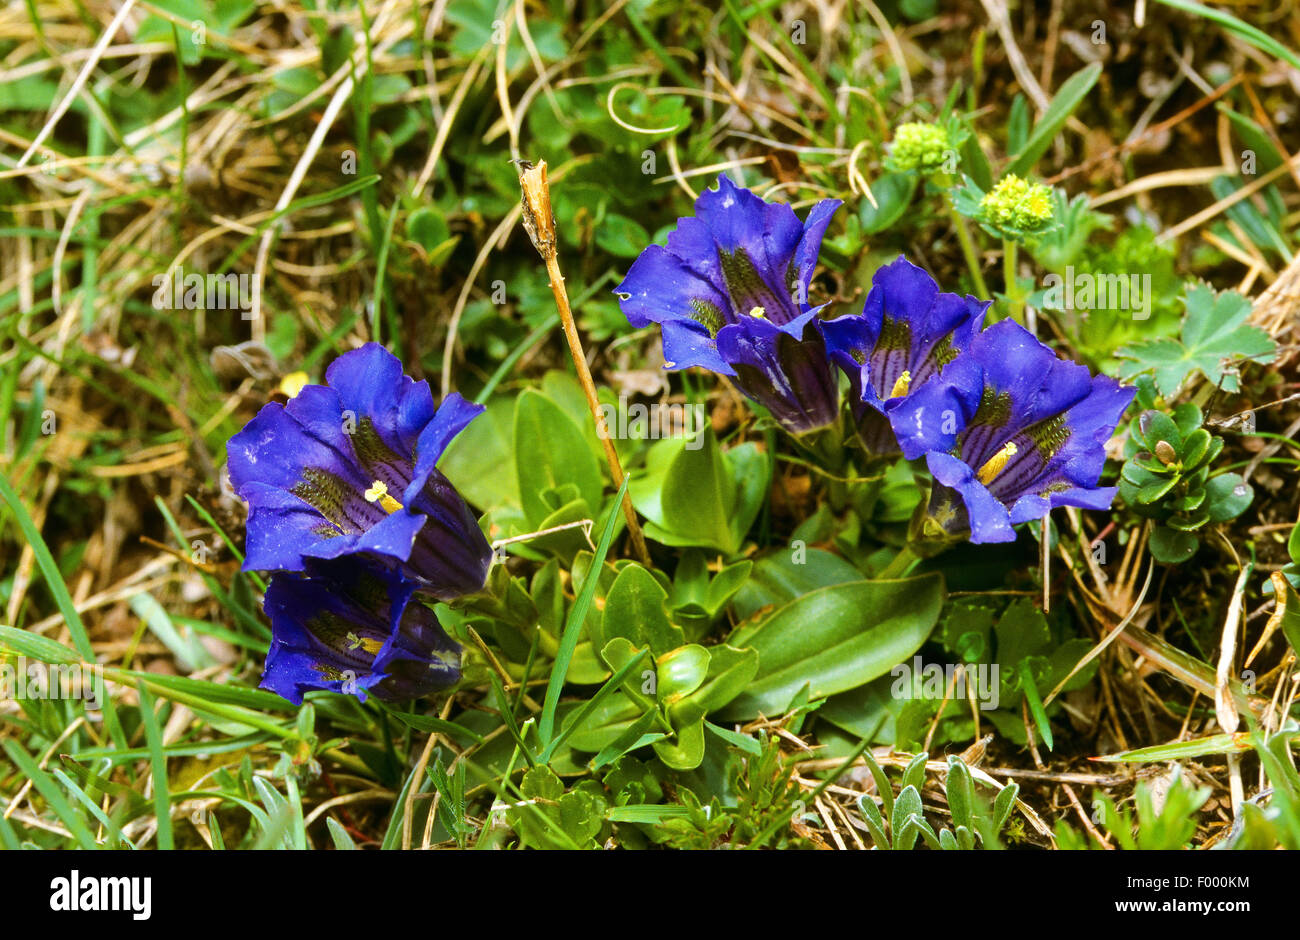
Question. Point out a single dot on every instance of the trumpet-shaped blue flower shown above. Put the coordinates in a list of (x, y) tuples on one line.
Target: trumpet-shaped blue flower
[(1009, 432), (730, 294), (349, 467), (907, 333), (353, 626)]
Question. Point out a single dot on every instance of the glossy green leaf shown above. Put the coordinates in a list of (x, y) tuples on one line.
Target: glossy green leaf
[(730, 671), (784, 574), (702, 497), (1227, 496), (685, 750), (681, 671), (834, 639), (1171, 546)]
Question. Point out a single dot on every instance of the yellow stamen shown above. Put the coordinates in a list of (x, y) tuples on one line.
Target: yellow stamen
[(378, 492), (993, 466), (758, 312), (369, 644), (900, 386), (936, 523), (293, 383)]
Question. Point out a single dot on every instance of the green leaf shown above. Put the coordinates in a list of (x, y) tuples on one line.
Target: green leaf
[(1171, 546), (613, 717), (1196, 449), (1152, 492), (960, 792), (191, 655), (634, 608), (589, 707), (621, 236), (834, 639), (338, 835), (750, 470), (1227, 496), (726, 583), (474, 459), (1184, 750), (1003, 805), (976, 161), (745, 742), (870, 813), (540, 783), (681, 672), (907, 809), (785, 574), (1256, 37), (1035, 702), (52, 794), (687, 751), (1155, 426), (1214, 332), (730, 672), (431, 724), (550, 451), (35, 646), (1067, 99), (700, 497), (1017, 123), (893, 192), (53, 577), (637, 734), (158, 762)]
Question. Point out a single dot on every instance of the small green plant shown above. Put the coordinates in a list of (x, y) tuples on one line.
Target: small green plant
[(1167, 478), (974, 824), (763, 792), (1160, 825), (1214, 335), (1272, 818)]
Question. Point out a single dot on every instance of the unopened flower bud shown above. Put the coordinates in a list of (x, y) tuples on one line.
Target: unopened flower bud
[(1017, 203), (918, 146)]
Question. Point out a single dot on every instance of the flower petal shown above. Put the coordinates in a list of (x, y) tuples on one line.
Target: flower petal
[(661, 287), (353, 627), (372, 384), (791, 377), (987, 518), (452, 417), (687, 344)]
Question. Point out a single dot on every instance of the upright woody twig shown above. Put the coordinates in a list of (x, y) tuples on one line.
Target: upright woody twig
[(539, 223)]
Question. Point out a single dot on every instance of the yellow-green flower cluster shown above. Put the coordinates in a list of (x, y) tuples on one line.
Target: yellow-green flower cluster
[(919, 146), (1016, 203)]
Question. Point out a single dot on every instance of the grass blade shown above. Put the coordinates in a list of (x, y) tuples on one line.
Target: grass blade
[(573, 626), (158, 761)]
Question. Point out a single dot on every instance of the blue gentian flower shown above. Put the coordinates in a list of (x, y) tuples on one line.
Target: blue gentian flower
[(1009, 432), (907, 333), (730, 295), (349, 467), (353, 626)]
